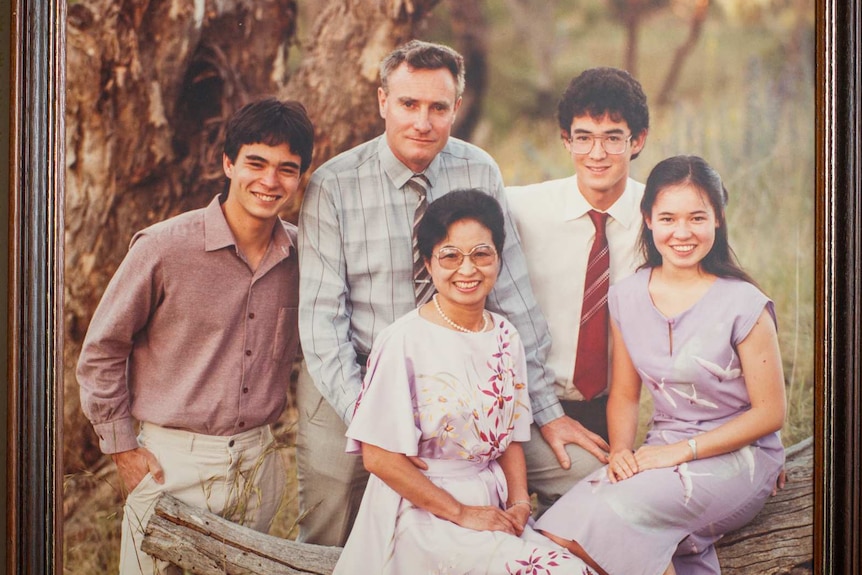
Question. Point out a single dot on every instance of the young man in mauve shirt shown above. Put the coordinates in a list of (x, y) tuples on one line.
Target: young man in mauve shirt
[(188, 356)]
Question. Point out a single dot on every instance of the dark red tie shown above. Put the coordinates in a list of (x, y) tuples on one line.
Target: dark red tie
[(591, 363)]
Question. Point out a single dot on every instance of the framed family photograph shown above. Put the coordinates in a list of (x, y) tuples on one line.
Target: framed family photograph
[(115, 111)]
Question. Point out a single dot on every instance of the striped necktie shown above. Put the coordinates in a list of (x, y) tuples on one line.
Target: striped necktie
[(422, 286), (591, 361)]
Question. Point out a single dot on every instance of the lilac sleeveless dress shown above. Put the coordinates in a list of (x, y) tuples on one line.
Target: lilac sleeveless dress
[(457, 400), (689, 364)]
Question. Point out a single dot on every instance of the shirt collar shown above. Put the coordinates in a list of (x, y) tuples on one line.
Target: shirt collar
[(625, 210), (398, 173), (218, 235), (216, 231)]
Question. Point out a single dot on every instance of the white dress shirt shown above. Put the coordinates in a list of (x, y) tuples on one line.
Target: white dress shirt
[(556, 237)]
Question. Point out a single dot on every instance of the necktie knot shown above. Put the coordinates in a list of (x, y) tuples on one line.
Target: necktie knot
[(419, 184), (599, 219)]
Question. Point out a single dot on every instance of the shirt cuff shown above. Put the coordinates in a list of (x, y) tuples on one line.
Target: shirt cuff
[(548, 413), (117, 436)]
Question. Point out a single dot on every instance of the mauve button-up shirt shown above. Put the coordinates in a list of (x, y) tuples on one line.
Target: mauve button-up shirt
[(187, 336)]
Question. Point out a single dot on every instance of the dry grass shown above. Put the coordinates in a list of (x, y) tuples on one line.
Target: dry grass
[(94, 510)]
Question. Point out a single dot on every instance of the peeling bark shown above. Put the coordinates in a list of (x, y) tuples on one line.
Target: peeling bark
[(150, 84)]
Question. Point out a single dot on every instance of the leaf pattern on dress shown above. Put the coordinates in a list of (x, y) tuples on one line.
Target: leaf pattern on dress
[(487, 406), (540, 563)]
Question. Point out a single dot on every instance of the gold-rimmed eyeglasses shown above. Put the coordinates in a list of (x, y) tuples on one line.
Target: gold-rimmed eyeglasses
[(451, 258)]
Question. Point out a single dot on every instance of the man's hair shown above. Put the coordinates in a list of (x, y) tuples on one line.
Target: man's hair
[(457, 205), (421, 55), (693, 171), (597, 92), (272, 122)]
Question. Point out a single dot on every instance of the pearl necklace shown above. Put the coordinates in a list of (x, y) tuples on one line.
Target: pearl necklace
[(455, 325)]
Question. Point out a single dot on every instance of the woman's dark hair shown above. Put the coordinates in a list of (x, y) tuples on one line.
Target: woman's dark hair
[(457, 205), (272, 122), (693, 170)]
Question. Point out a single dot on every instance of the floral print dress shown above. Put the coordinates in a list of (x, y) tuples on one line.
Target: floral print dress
[(456, 400)]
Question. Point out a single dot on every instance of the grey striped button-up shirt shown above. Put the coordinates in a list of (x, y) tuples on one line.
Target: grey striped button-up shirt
[(356, 264)]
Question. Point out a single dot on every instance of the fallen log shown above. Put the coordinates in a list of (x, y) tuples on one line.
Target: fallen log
[(777, 542), (205, 544), (780, 539)]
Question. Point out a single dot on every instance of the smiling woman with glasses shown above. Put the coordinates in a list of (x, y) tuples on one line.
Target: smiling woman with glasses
[(440, 417)]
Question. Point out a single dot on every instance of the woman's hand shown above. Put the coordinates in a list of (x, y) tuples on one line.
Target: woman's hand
[(658, 456), (622, 465), (488, 518), (520, 512)]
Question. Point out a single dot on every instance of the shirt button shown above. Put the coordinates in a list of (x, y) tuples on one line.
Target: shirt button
[(251, 315), (248, 352), (245, 390), (241, 424)]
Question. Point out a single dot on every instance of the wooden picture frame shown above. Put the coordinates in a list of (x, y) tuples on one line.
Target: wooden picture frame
[(36, 65)]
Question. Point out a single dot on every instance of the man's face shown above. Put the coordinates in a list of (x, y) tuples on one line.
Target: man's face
[(419, 111), (601, 176), (262, 180)]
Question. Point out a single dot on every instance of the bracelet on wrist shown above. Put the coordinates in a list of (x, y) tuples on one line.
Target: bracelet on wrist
[(520, 502), (693, 445)]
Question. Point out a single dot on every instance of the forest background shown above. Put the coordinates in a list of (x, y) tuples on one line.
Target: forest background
[(150, 83)]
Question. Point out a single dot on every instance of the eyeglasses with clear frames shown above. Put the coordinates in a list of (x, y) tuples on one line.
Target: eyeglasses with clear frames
[(451, 258), (611, 143)]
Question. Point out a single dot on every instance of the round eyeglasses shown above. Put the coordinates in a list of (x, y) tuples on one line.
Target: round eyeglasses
[(451, 258), (610, 143)]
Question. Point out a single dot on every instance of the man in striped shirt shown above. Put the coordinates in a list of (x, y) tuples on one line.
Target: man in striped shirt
[(357, 277)]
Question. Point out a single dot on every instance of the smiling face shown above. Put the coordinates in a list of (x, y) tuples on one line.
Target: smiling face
[(262, 180), (683, 225), (419, 110), (466, 287), (602, 176)]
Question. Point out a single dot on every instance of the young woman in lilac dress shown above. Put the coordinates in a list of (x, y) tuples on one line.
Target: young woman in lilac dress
[(694, 329), (439, 418)]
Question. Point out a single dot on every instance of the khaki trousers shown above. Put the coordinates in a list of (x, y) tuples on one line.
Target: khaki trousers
[(331, 482), (239, 477)]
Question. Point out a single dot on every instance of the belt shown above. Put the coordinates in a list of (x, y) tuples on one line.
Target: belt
[(585, 401)]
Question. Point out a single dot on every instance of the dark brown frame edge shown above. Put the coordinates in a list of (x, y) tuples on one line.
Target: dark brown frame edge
[(36, 177), (36, 171), (838, 413)]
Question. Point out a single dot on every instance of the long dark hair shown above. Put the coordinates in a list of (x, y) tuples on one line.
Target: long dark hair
[(721, 260)]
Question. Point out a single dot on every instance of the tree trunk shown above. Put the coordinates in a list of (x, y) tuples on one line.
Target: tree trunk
[(338, 77), (150, 84), (470, 28), (698, 17), (632, 14), (777, 542), (632, 23), (535, 23)]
